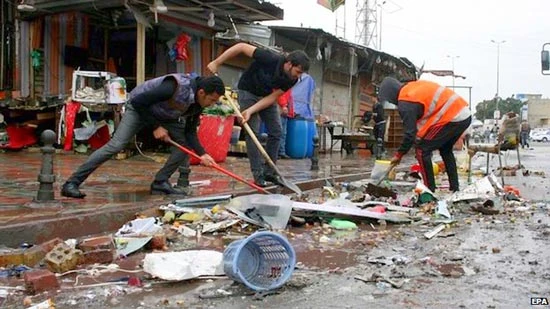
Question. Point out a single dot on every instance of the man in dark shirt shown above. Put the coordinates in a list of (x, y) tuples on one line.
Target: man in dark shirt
[(172, 104), (263, 82), (524, 134), (434, 118)]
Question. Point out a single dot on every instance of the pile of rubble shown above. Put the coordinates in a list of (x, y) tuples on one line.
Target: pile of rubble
[(157, 248)]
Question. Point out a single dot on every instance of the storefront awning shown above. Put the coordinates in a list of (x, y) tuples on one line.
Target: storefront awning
[(196, 11)]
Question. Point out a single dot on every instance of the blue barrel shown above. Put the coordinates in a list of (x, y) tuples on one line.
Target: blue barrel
[(296, 138), (311, 133)]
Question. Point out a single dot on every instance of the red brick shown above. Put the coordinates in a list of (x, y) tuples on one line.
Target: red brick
[(40, 280), (33, 255), (97, 243), (50, 244), (101, 256), (12, 257), (158, 242)]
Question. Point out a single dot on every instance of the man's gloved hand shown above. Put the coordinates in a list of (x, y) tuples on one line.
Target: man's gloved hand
[(395, 160)]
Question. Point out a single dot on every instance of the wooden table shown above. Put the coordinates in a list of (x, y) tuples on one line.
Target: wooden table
[(354, 140)]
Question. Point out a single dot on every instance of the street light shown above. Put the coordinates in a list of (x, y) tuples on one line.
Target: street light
[(453, 66), (498, 72)]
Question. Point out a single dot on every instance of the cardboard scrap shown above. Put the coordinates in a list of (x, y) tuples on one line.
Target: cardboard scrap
[(350, 211)]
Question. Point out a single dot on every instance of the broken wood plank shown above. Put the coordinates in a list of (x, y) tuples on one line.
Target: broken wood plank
[(435, 231), (207, 201), (350, 211)]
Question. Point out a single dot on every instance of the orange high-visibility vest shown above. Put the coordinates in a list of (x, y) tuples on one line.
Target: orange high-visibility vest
[(441, 104)]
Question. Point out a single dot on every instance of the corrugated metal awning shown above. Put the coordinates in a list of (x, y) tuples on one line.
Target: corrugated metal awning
[(195, 11)]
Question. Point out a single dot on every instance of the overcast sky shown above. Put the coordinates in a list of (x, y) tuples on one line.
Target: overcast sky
[(428, 31)]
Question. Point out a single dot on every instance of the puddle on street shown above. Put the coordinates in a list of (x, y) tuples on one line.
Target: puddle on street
[(137, 196), (327, 258), (340, 249)]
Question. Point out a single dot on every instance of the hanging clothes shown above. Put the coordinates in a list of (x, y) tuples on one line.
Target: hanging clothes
[(68, 118), (71, 109), (182, 52)]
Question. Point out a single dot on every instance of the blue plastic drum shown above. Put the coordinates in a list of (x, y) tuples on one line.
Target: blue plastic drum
[(296, 138)]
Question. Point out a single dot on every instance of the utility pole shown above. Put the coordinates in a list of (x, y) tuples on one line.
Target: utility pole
[(498, 73), (453, 67)]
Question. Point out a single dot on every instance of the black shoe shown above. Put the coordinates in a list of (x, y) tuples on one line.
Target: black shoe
[(164, 187), (275, 179), (183, 188), (284, 156), (70, 189), (260, 181)]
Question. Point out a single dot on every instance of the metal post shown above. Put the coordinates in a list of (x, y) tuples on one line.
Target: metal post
[(498, 71), (453, 67), (315, 155), (380, 29), (46, 176)]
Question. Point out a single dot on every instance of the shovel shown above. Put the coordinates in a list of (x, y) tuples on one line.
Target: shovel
[(219, 168), (385, 175), (285, 182)]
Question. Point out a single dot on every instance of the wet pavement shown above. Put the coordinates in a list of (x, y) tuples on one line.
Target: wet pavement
[(120, 188)]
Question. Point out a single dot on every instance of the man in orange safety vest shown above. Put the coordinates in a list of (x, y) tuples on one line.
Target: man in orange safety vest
[(434, 117)]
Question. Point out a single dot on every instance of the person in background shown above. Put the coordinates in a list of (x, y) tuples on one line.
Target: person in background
[(494, 133), (434, 117), (285, 105), (262, 83), (302, 97), (486, 135), (172, 104), (524, 134)]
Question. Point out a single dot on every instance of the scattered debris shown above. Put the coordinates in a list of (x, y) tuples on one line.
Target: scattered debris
[(379, 278), (184, 265), (435, 231)]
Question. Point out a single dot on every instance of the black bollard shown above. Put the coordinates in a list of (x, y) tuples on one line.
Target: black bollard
[(315, 155), (46, 176)]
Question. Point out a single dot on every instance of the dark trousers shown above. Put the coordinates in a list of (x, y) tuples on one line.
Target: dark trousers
[(130, 124), (272, 119), (524, 139), (441, 138), (379, 131)]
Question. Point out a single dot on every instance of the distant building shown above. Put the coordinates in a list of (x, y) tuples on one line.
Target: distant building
[(538, 114)]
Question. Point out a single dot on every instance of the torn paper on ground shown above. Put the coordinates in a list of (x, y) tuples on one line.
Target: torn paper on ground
[(184, 265), (140, 227)]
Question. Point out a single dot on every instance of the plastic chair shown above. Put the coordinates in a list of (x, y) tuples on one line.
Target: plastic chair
[(508, 139)]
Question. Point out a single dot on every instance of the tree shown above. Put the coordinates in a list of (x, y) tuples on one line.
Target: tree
[(486, 108)]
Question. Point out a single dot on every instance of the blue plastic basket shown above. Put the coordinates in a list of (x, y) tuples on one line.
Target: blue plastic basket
[(263, 261)]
